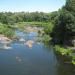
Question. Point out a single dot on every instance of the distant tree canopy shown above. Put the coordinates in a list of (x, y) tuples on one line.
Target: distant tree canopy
[(10, 18), (64, 28)]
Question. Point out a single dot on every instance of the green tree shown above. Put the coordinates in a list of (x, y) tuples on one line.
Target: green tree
[(70, 5), (64, 27)]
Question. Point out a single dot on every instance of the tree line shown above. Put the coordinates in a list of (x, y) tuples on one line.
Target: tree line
[(11, 18)]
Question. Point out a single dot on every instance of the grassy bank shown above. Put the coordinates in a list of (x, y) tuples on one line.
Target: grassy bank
[(46, 25), (7, 30), (66, 52)]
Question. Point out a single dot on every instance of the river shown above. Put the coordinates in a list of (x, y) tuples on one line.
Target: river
[(38, 60)]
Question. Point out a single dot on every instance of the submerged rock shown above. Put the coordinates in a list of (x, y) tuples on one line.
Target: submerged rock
[(29, 43), (4, 39), (18, 59), (7, 47)]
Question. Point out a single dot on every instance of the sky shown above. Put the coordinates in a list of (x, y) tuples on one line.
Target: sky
[(30, 5)]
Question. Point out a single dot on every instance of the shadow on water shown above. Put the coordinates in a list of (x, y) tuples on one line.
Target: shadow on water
[(38, 60)]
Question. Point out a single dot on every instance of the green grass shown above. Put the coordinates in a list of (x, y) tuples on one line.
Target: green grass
[(48, 26), (32, 23), (66, 51), (6, 30), (63, 51)]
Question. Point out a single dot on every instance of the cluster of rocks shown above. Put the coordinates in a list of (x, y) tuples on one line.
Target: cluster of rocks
[(5, 41)]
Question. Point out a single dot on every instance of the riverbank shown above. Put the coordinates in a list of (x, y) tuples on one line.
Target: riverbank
[(68, 52), (4, 38), (7, 30)]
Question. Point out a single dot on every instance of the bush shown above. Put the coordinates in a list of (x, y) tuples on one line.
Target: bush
[(6, 30), (63, 51)]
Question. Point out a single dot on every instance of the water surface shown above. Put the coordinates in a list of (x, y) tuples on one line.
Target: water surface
[(38, 60)]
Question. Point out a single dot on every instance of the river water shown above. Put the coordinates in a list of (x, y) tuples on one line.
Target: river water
[(38, 60)]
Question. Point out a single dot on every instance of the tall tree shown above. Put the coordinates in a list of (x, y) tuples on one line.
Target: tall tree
[(70, 6), (64, 29)]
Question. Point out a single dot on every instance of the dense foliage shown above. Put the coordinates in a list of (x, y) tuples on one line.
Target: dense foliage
[(10, 18), (64, 28), (6, 30), (70, 5), (66, 52)]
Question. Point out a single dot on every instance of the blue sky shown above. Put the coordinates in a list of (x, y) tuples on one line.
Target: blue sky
[(31, 5)]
